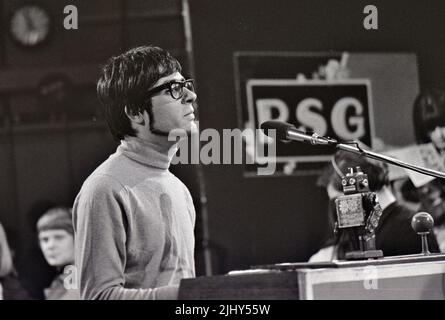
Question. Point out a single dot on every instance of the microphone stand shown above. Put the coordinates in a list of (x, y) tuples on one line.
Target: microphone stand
[(288, 132), (390, 160)]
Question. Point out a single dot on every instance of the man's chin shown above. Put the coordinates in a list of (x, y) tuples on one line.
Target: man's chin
[(193, 127), (185, 131), (53, 263)]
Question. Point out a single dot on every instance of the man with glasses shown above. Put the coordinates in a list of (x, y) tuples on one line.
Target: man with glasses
[(133, 219)]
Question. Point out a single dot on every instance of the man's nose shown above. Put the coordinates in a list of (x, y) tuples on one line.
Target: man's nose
[(50, 244), (189, 96)]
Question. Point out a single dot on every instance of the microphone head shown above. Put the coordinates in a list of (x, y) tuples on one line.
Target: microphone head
[(280, 127)]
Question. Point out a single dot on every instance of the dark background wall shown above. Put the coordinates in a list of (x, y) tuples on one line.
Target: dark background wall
[(251, 220)]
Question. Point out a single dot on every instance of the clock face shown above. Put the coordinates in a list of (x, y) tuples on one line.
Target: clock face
[(30, 25)]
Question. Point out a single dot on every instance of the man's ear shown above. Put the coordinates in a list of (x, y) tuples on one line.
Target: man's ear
[(136, 117)]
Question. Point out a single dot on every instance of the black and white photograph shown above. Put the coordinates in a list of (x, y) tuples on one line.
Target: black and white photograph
[(222, 155)]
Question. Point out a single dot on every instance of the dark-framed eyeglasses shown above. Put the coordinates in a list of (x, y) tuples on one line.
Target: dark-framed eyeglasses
[(175, 88)]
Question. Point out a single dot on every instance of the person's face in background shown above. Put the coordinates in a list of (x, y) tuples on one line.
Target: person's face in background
[(57, 246), (437, 137)]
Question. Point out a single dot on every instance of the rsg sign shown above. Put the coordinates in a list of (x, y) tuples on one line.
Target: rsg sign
[(340, 109)]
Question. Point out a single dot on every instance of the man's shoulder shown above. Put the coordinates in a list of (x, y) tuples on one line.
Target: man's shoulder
[(109, 171), (400, 210), (107, 177), (100, 181), (99, 190)]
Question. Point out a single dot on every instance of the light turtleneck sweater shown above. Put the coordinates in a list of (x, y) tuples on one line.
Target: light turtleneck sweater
[(134, 222)]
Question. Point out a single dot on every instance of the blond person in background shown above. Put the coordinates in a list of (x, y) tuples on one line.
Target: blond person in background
[(56, 239)]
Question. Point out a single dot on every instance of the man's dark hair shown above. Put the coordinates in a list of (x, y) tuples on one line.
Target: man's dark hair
[(428, 113), (124, 82)]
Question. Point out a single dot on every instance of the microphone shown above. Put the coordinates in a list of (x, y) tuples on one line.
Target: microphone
[(286, 131)]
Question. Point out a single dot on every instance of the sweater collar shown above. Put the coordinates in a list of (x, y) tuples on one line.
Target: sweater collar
[(156, 152)]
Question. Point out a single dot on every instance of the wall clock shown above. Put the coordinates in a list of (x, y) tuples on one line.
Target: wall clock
[(30, 25)]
